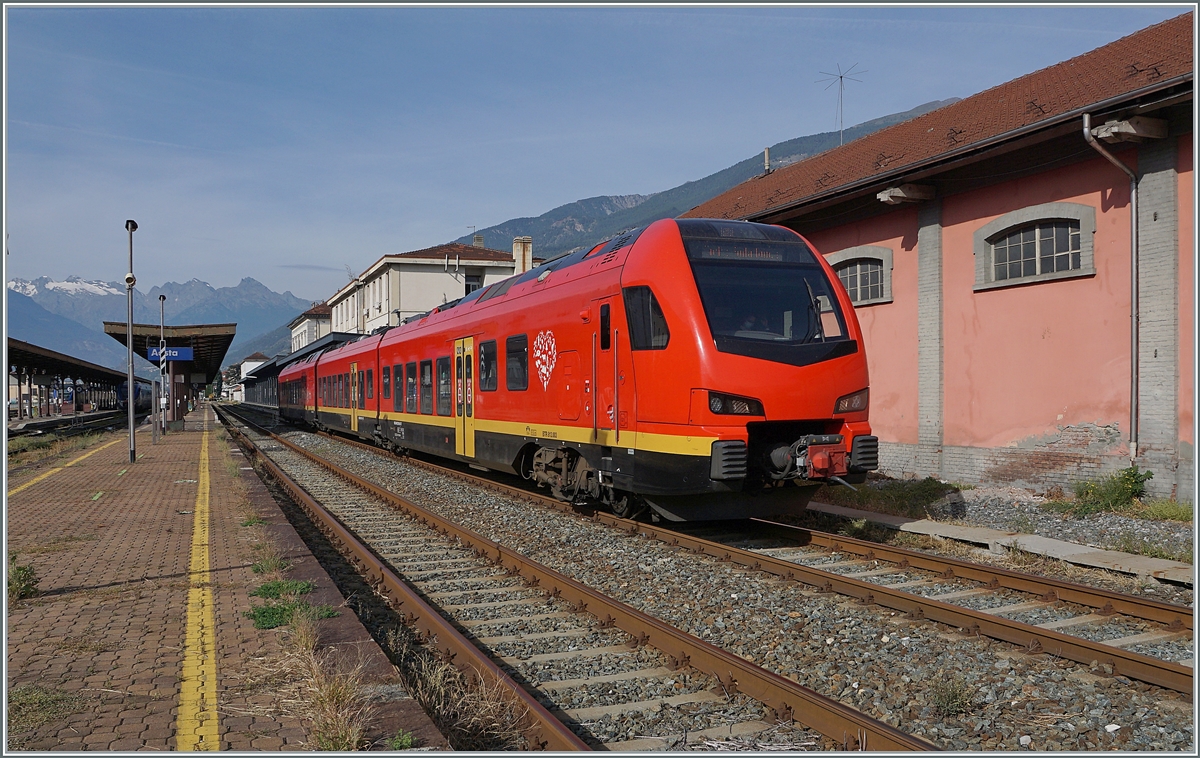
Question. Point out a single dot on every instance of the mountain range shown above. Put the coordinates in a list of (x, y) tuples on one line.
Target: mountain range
[(570, 227), (50, 313), (255, 309)]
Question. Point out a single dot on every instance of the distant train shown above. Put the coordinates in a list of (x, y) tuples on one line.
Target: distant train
[(692, 369), (141, 396)]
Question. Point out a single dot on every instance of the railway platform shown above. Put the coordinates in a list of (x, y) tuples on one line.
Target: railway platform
[(138, 636)]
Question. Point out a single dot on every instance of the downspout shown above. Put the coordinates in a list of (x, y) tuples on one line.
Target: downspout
[(1135, 318)]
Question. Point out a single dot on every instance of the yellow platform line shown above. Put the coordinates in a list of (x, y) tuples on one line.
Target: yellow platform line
[(196, 724), (56, 469)]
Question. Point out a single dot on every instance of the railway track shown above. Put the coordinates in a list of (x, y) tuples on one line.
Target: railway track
[(68, 426), (590, 670), (1059, 689), (1122, 635)]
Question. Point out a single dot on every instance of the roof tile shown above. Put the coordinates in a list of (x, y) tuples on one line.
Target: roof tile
[(1158, 53)]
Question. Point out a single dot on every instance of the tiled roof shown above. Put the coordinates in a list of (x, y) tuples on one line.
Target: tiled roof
[(464, 252), (319, 310), (1152, 56), (256, 357)]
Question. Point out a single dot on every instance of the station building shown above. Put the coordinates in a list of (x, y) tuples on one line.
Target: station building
[(406, 284), (310, 326), (1022, 263)]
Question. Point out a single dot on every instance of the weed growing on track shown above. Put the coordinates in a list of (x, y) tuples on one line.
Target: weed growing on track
[(899, 497), (472, 714), (952, 696), (22, 580), (340, 707)]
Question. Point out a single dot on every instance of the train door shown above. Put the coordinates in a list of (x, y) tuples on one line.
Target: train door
[(606, 401), (354, 397), (464, 396)]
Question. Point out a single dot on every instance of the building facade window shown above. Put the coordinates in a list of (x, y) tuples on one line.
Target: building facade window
[(866, 273), (1040, 243)]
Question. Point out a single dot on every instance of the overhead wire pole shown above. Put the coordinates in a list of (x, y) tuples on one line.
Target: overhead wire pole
[(840, 80)]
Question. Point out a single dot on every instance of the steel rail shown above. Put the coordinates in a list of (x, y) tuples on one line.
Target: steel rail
[(1106, 602), (789, 699), (1171, 675), (547, 732)]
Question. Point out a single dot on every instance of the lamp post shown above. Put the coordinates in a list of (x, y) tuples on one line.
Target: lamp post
[(130, 280), (163, 375)]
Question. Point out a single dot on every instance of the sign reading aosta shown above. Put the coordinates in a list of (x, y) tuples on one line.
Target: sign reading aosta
[(170, 354)]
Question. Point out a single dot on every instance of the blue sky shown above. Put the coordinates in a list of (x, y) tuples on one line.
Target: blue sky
[(287, 143)]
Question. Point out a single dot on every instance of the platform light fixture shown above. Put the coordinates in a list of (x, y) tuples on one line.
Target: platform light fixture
[(130, 280)]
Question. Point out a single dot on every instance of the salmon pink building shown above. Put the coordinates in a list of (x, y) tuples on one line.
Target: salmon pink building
[(1022, 263)]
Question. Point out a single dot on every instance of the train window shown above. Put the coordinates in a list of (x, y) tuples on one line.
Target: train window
[(647, 326), (443, 372), (516, 362), (370, 384), (362, 390), (347, 388), (426, 386), (410, 386), (605, 327), (386, 378), (488, 373), (398, 398)]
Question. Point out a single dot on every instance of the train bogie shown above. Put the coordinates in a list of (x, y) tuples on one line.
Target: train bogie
[(702, 369)]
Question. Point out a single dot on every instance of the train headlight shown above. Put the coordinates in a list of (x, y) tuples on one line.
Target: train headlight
[(732, 405), (852, 403)]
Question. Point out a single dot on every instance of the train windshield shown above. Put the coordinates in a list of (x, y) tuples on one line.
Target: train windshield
[(764, 292)]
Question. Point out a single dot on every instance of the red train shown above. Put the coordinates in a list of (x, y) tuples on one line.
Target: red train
[(700, 368)]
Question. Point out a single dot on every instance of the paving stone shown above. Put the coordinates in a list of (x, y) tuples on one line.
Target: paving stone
[(110, 624)]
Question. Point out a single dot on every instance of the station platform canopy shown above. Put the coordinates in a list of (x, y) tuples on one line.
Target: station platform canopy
[(208, 343), (25, 357)]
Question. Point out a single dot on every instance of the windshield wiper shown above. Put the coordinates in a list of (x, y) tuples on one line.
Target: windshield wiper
[(814, 306)]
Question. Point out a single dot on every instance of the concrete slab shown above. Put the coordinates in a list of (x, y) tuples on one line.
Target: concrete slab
[(996, 541)]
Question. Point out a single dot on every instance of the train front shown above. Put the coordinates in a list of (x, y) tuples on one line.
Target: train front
[(765, 347)]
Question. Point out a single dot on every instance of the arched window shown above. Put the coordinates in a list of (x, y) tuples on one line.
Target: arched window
[(866, 273), (1040, 243)]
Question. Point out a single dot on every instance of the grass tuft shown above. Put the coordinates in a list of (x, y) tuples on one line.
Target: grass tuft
[(1116, 493), (899, 497), (472, 714), (1166, 510), (253, 521), (952, 696), (277, 614), (270, 559), (401, 741), (283, 587), (340, 707), (1138, 545), (22, 580), (31, 706)]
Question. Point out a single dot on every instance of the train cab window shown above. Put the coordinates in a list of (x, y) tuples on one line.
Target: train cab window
[(488, 373), (647, 325), (443, 375), (370, 384), (605, 327), (516, 362), (386, 379), (426, 386), (410, 386)]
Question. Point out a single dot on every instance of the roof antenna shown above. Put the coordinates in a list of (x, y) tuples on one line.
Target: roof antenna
[(840, 80)]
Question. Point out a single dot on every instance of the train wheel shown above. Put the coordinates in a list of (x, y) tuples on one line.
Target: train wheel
[(626, 505)]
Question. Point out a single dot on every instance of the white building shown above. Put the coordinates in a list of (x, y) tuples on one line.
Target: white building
[(310, 326), (406, 284)]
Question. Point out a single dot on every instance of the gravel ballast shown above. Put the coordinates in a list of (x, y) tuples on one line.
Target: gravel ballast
[(960, 692)]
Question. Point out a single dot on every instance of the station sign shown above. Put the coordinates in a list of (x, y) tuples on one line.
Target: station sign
[(170, 354)]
